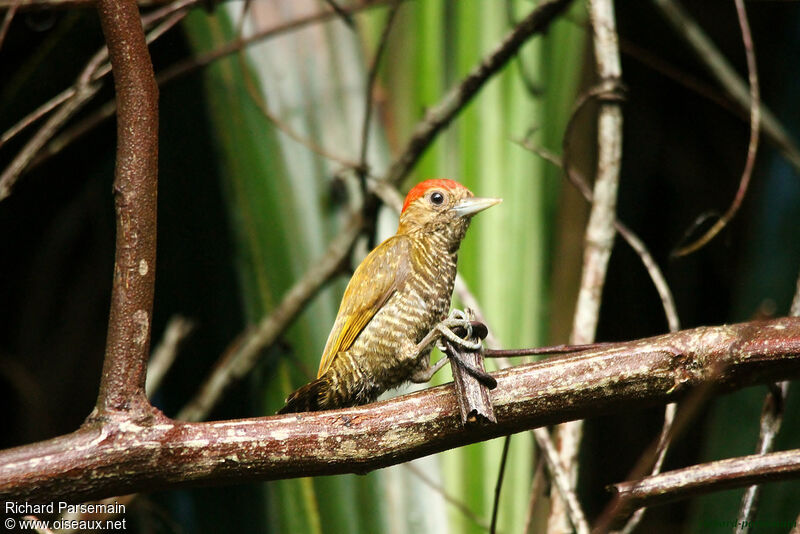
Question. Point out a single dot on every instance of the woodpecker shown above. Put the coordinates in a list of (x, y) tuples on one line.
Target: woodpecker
[(395, 298)]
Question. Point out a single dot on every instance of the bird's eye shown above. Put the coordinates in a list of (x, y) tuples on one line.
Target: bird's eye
[(437, 198)]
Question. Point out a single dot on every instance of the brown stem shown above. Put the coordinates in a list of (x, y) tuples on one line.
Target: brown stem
[(706, 478), (120, 457), (752, 146), (135, 185)]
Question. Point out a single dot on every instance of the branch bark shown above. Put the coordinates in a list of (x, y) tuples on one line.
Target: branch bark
[(120, 457), (707, 478), (135, 185)]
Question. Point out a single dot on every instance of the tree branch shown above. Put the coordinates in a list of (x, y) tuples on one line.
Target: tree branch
[(122, 457), (135, 184), (707, 478)]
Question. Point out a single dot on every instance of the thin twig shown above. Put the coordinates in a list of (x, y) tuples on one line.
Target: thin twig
[(543, 351), (12, 10), (135, 185), (97, 68), (71, 100), (771, 418), (688, 29), (255, 95), (537, 488), (371, 77), (794, 311), (177, 330), (184, 67), (344, 15), (630, 237), (440, 115), (561, 481), (459, 505), (770, 424), (499, 484), (78, 96), (663, 445), (752, 146), (649, 462)]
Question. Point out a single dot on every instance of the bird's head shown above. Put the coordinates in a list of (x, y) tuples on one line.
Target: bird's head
[(442, 208)]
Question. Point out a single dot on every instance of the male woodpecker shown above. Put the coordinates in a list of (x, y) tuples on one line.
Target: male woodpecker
[(398, 294)]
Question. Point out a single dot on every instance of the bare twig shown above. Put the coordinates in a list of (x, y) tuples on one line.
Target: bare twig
[(771, 127), (630, 237), (600, 230), (499, 484), (71, 100), (163, 356), (117, 457), (667, 302), (255, 95), (752, 146), (771, 419), (616, 511), (440, 115), (372, 75), (561, 481), (135, 184), (688, 29), (460, 506), (12, 10), (187, 66), (543, 351), (245, 354), (705, 478), (537, 489), (344, 15), (95, 70), (794, 311), (661, 452)]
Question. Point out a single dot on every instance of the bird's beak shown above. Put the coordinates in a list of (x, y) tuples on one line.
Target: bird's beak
[(466, 207)]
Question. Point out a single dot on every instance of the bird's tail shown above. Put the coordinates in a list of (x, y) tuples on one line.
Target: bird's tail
[(310, 398)]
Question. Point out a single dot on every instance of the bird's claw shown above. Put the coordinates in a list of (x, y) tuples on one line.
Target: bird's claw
[(458, 318)]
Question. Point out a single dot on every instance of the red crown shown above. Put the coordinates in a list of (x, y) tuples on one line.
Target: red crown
[(421, 188)]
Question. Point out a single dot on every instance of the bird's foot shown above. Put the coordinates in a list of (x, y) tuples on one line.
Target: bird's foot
[(458, 318)]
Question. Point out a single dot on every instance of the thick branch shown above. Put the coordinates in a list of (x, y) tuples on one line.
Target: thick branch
[(122, 457), (135, 183)]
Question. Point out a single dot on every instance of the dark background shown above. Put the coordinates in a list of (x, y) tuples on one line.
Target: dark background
[(683, 152)]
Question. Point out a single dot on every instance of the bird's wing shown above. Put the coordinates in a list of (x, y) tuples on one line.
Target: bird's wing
[(381, 273)]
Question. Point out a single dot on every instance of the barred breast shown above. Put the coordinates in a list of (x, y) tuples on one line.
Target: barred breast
[(375, 362)]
